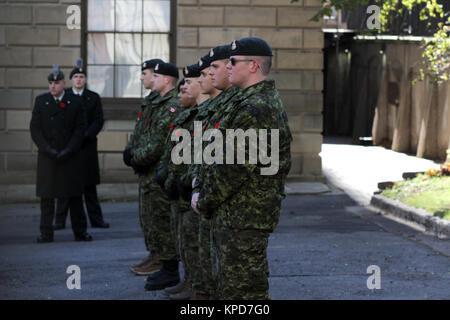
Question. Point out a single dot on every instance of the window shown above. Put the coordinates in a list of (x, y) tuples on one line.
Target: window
[(120, 35)]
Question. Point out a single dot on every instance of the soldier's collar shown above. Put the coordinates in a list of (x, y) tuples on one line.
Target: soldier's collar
[(265, 84)]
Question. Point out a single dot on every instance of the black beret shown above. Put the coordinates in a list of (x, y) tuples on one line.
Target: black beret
[(56, 74), (191, 71), (150, 64), (250, 47), (78, 68), (204, 62), (220, 53), (167, 69), (180, 84)]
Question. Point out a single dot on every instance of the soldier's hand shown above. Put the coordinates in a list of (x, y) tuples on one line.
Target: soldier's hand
[(194, 202), (63, 155), (193, 182), (52, 152), (127, 156)]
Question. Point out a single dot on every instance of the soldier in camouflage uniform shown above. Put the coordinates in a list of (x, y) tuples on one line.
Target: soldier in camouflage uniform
[(245, 203), (188, 220), (148, 154), (151, 263), (218, 75)]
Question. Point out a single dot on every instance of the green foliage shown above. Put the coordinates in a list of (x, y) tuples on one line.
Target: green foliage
[(429, 193), (436, 62)]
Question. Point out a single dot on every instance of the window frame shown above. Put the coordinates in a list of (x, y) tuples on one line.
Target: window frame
[(125, 108)]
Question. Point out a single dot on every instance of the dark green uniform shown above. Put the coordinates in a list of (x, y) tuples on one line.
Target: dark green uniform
[(209, 116), (148, 153), (185, 219), (245, 204), (140, 129)]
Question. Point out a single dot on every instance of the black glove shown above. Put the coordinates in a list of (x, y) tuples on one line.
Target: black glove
[(51, 152), (137, 168), (63, 155), (185, 191), (171, 194), (159, 179), (127, 156)]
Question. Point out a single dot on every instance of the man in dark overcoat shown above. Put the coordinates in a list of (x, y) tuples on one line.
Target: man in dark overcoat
[(57, 128), (93, 110)]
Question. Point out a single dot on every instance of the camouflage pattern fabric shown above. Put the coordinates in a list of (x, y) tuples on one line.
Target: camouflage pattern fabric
[(217, 108), (148, 153), (133, 142), (189, 247), (241, 199), (240, 265), (208, 285)]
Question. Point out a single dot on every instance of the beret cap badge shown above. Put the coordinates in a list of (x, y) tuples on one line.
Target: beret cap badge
[(233, 45), (211, 53), (157, 67)]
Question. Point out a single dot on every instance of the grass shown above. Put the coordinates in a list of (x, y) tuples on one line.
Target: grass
[(425, 192)]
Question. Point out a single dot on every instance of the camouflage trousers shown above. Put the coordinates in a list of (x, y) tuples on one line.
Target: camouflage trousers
[(189, 247), (175, 222), (208, 285), (144, 216), (162, 240), (240, 264)]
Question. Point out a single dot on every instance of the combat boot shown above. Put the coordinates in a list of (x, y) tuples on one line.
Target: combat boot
[(166, 277), (143, 262), (185, 294), (175, 289), (152, 266), (199, 296)]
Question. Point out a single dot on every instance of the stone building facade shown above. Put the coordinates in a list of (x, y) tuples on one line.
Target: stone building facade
[(34, 35)]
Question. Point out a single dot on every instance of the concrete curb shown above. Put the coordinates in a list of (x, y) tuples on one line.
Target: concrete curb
[(432, 224)]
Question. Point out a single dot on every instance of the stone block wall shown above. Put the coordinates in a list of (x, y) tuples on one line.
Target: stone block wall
[(297, 63), (34, 35)]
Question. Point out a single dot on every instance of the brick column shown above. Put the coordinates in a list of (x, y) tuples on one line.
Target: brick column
[(297, 66)]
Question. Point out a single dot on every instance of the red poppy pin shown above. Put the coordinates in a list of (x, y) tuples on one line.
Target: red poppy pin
[(171, 126), (62, 105), (204, 127), (217, 125), (148, 122), (139, 114)]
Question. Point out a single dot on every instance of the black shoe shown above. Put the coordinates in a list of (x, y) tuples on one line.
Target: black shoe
[(103, 225), (162, 280), (44, 238), (83, 237), (59, 226)]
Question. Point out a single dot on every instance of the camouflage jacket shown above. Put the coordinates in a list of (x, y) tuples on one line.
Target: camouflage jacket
[(216, 108), (168, 170), (142, 119), (238, 194), (150, 147)]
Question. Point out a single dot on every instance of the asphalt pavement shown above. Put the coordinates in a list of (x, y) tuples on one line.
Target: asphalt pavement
[(324, 247)]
